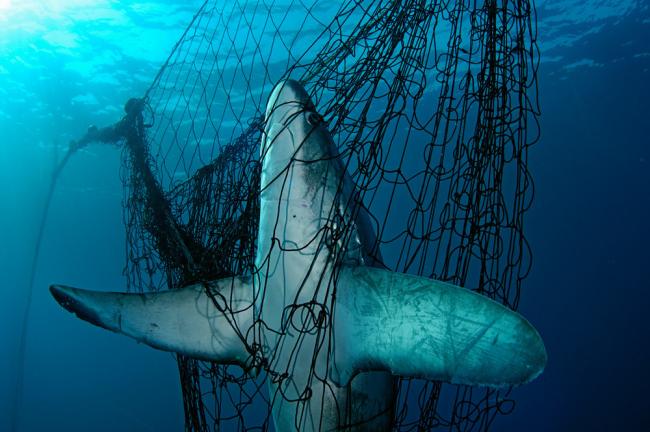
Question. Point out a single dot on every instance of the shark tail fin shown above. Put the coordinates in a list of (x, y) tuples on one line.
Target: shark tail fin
[(420, 327), (200, 321)]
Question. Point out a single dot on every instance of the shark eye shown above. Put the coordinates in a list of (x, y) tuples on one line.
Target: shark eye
[(314, 119)]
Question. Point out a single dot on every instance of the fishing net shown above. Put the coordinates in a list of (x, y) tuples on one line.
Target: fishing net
[(432, 105)]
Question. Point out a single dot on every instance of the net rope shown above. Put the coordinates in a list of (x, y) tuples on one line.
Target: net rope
[(432, 106)]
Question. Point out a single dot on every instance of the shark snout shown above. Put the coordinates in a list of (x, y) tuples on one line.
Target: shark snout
[(288, 94)]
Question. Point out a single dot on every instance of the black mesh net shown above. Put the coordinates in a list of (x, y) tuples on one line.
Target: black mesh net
[(432, 105)]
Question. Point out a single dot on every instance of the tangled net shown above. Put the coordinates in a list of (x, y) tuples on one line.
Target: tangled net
[(432, 105)]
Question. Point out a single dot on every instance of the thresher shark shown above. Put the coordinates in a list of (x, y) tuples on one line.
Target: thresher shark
[(380, 324)]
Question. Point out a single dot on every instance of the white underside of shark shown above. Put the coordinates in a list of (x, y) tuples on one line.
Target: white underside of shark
[(333, 328)]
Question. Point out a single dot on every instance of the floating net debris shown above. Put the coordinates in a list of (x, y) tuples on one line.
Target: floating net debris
[(432, 105)]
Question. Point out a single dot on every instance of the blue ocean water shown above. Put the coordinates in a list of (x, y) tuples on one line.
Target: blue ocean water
[(67, 64)]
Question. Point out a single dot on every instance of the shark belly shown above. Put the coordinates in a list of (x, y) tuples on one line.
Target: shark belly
[(297, 277), (299, 253)]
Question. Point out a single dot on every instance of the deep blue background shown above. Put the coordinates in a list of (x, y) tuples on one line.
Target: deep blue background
[(588, 293)]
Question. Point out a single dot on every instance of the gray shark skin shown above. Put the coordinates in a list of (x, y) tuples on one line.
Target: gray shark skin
[(304, 190), (337, 329)]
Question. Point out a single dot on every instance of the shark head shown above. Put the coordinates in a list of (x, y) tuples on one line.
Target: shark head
[(294, 132), (288, 101)]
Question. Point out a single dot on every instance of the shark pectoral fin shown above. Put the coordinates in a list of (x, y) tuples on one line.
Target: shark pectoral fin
[(186, 321), (419, 327)]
